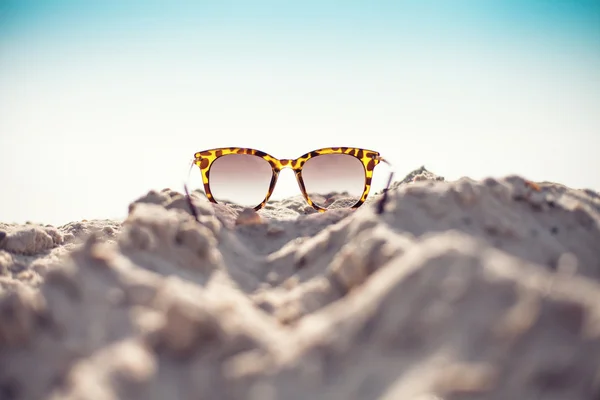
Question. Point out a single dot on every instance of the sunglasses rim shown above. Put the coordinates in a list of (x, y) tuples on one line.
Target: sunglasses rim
[(369, 159)]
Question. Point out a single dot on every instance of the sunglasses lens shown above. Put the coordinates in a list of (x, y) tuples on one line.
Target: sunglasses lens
[(240, 179), (334, 180)]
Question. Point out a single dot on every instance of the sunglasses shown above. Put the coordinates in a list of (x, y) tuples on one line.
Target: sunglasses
[(336, 177)]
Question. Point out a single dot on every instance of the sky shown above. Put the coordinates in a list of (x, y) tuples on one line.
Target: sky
[(102, 101)]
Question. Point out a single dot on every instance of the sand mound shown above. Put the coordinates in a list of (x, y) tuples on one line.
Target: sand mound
[(459, 290)]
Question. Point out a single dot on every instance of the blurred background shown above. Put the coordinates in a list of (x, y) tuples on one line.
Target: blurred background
[(101, 101)]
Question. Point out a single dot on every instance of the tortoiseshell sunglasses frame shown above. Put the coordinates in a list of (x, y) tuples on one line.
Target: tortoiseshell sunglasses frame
[(369, 158)]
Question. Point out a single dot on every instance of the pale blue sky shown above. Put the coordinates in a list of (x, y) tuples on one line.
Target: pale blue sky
[(102, 101)]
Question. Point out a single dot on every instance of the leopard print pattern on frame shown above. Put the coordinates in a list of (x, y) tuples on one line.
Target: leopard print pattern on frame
[(369, 159)]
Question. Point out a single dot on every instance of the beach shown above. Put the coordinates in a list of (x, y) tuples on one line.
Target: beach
[(464, 289)]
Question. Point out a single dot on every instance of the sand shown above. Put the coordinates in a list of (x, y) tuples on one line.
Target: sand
[(459, 290)]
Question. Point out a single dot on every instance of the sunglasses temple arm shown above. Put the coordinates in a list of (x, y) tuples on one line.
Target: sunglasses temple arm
[(187, 194), (384, 197)]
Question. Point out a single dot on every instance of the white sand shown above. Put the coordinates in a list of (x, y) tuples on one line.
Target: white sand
[(460, 290)]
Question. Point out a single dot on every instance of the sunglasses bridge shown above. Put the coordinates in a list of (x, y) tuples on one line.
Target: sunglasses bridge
[(287, 163)]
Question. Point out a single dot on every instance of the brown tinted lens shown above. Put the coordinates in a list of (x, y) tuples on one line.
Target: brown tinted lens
[(334, 180), (240, 179)]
